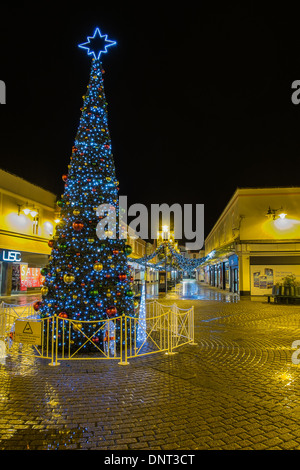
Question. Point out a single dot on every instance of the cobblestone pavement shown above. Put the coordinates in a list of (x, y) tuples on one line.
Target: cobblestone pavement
[(236, 389)]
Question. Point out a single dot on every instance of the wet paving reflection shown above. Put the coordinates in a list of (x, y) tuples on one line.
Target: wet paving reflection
[(191, 289), (187, 289), (29, 438), (21, 299)]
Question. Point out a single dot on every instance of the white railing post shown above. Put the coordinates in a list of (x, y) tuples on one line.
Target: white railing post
[(170, 351), (192, 327), (125, 362), (54, 342)]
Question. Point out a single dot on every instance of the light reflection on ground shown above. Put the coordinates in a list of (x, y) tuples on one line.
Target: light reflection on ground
[(190, 289), (187, 289)]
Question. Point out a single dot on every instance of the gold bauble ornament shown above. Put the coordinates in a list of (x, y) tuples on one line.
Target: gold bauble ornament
[(98, 267), (69, 278)]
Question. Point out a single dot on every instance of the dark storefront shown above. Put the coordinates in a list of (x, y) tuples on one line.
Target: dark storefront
[(20, 271), (219, 275), (234, 273)]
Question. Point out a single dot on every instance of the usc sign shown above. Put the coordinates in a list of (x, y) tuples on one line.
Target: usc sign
[(11, 256)]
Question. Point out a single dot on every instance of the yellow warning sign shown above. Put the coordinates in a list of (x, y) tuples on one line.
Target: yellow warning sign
[(29, 332), (27, 329)]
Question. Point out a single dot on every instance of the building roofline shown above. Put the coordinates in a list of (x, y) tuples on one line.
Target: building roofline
[(26, 181), (241, 192)]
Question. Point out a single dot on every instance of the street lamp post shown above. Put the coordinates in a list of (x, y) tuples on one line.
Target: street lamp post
[(165, 230), (145, 274), (166, 280)]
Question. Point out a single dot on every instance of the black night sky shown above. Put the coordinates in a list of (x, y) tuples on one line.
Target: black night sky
[(199, 98)]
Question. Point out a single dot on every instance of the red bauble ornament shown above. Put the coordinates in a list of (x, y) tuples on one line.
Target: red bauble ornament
[(63, 315), (37, 305), (95, 339), (122, 276), (64, 178), (111, 312), (115, 252), (51, 243), (78, 225)]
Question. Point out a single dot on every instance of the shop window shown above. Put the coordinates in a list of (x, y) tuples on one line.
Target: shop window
[(15, 278), (35, 226)]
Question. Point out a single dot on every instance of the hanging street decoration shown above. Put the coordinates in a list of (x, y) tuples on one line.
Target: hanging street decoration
[(182, 263)]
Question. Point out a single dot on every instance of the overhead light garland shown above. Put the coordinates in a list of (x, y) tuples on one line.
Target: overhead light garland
[(184, 264)]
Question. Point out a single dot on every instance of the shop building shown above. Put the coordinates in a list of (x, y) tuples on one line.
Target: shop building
[(255, 242), (27, 221)]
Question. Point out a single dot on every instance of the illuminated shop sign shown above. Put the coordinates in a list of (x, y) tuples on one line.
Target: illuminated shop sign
[(11, 256)]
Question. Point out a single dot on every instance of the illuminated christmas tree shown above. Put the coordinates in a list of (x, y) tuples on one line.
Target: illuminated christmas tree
[(88, 277)]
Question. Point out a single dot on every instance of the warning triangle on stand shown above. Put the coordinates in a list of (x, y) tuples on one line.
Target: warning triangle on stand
[(28, 329)]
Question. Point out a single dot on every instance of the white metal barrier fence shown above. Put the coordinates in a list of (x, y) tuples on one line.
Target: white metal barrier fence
[(159, 328), (10, 314)]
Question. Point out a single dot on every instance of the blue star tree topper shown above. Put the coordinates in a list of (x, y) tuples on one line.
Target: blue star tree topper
[(97, 44)]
